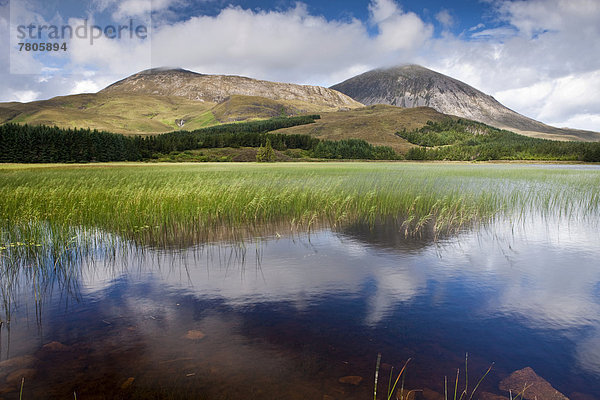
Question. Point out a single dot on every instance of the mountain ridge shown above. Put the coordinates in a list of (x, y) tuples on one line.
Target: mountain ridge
[(412, 85), (217, 88)]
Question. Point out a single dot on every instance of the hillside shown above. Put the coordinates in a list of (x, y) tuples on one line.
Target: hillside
[(158, 101), (376, 124), (415, 86), (217, 88), (147, 114), (123, 113)]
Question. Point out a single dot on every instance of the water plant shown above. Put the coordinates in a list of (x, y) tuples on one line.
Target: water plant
[(148, 200), (458, 395), (53, 213), (392, 388), (464, 393)]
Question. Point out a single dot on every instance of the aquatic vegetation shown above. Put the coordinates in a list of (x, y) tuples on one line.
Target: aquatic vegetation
[(402, 395), (156, 203), (392, 388), (52, 216), (464, 393)]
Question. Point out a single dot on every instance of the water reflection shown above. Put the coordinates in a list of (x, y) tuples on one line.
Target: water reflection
[(290, 315)]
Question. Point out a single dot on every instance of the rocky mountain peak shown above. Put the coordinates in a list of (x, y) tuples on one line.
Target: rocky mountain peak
[(411, 86), (216, 88)]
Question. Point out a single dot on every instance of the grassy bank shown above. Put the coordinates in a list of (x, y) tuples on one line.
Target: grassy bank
[(171, 199)]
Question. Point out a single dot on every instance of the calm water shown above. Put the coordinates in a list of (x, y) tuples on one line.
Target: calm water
[(286, 317)]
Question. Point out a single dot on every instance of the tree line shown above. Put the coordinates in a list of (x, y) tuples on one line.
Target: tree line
[(44, 144), (463, 140)]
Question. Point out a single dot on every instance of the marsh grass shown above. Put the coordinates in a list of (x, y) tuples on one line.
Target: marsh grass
[(392, 388), (55, 213), (401, 394)]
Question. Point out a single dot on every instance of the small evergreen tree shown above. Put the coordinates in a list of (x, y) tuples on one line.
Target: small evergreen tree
[(266, 153)]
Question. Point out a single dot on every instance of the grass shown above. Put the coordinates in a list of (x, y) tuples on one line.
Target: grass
[(376, 124), (123, 113), (458, 395), (51, 216), (165, 198)]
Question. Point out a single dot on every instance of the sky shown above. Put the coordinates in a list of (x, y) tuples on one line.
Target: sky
[(537, 57)]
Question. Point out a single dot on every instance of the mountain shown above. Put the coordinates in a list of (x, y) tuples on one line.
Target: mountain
[(217, 88), (123, 113), (415, 86), (163, 100)]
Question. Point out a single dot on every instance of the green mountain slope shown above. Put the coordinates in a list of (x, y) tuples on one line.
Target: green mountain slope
[(376, 124), (148, 114), (123, 113)]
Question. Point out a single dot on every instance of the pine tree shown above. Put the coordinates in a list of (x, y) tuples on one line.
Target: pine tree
[(266, 153)]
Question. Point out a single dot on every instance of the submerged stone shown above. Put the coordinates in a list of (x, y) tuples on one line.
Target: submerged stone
[(8, 367), (14, 378), (55, 346), (537, 387), (194, 335), (491, 396), (429, 394), (17, 363), (127, 383), (351, 380)]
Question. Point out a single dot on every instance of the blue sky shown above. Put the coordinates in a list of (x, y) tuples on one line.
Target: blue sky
[(466, 13), (538, 57)]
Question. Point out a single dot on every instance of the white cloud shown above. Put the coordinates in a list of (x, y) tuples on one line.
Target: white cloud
[(25, 96), (85, 86), (403, 32), (290, 45), (109, 56), (494, 33), (380, 10), (534, 16), (445, 18), (580, 121), (476, 27), (397, 30)]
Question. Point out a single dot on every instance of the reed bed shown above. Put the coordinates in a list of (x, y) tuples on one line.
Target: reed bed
[(145, 202)]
